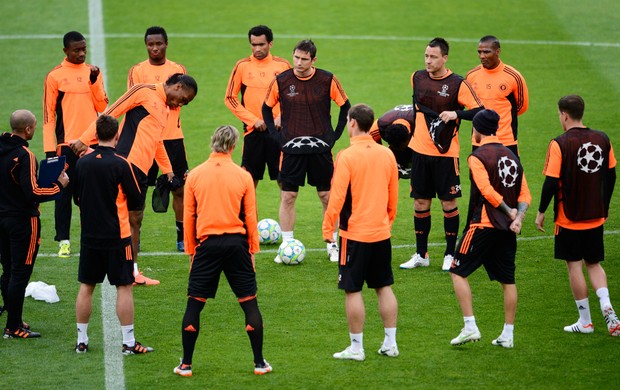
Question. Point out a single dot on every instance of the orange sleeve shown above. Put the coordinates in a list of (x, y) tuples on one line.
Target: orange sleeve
[(162, 159), (231, 99), (553, 161), (337, 93), (251, 219), (133, 76), (189, 217), (273, 94), (525, 195), (521, 95), (50, 96), (612, 157), (99, 97), (374, 132), (337, 194), (467, 96), (481, 178), (393, 193)]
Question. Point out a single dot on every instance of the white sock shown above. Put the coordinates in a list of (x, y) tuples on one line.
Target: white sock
[(287, 235), (64, 242), (584, 311), (603, 298), (136, 272), (357, 341), (128, 336), (82, 330), (390, 337), (470, 323), (335, 236), (508, 331)]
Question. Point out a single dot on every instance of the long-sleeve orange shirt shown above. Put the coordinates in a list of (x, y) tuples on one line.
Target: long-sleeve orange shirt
[(70, 103), (252, 77), (364, 192), (502, 89), (481, 180), (146, 73), (219, 199), (146, 116)]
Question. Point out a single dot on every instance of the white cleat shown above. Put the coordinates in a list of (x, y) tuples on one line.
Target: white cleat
[(416, 261)]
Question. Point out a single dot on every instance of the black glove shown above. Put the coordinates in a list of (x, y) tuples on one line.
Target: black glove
[(175, 183), (50, 154)]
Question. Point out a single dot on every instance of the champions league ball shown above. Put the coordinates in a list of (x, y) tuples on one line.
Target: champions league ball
[(508, 171), (292, 252), (590, 157), (269, 231)]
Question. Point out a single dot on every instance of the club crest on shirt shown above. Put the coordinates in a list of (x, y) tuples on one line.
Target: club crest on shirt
[(444, 91), (291, 91)]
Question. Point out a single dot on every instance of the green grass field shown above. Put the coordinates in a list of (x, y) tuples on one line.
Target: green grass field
[(373, 47)]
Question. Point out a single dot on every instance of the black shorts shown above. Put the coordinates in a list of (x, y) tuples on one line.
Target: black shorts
[(229, 253), (259, 148), (143, 183), (435, 176), (116, 263), (493, 248), (319, 167), (175, 148), (364, 261), (577, 245)]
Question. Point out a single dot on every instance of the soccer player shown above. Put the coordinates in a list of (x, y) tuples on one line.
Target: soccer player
[(73, 95), (501, 88), (251, 77), (105, 184), (500, 198), (364, 195), (306, 135), (145, 107), (221, 236), (580, 172), (394, 127), (156, 69), (20, 226), (439, 96)]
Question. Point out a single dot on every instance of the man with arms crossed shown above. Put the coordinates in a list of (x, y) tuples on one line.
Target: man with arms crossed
[(580, 172)]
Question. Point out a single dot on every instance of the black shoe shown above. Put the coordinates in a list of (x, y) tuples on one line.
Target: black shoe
[(20, 333), (81, 348), (137, 349)]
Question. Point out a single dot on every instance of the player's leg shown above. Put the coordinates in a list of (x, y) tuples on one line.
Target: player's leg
[(449, 189), (83, 310)]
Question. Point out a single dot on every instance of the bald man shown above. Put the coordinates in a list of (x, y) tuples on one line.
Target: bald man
[(20, 226)]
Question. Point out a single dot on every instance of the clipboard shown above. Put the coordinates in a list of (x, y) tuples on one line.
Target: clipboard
[(49, 170)]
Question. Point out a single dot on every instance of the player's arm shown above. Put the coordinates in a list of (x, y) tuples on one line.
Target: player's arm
[(338, 95), (481, 178), (272, 98), (131, 187), (551, 185), (393, 190), (467, 98), (231, 98), (162, 159), (28, 180), (251, 215), (50, 98), (337, 196), (189, 217), (374, 132), (523, 203), (521, 94), (99, 97)]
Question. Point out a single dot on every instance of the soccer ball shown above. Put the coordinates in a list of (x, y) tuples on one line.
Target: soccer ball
[(507, 171), (269, 231), (292, 252), (590, 157)]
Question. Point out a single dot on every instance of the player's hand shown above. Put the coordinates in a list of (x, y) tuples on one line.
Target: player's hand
[(448, 116), (260, 125), (540, 221), (175, 183), (94, 73), (63, 179), (329, 240), (278, 122), (513, 214), (78, 147)]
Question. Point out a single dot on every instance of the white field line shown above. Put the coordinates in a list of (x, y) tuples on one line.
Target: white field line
[(316, 37), (113, 359)]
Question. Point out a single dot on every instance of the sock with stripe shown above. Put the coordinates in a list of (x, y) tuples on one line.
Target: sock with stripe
[(254, 328), (357, 342), (128, 336), (583, 306), (451, 228), (190, 328)]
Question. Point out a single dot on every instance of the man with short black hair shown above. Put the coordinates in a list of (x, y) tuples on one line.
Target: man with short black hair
[(580, 172)]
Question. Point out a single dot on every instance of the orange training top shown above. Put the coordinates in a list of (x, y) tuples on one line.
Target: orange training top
[(252, 77), (146, 115), (421, 141), (364, 192), (502, 89), (481, 179), (553, 167), (146, 73), (219, 199), (70, 103)]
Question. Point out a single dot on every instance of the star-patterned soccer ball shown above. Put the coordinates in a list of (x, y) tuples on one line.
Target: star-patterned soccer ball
[(269, 231), (508, 171), (292, 252), (590, 157)]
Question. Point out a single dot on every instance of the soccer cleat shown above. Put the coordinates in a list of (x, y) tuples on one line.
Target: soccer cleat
[(144, 281), (466, 336), (277, 259), (64, 250), (350, 355), (612, 321), (137, 349), (20, 333), (333, 252), (81, 348), (416, 261), (262, 369), (183, 369), (578, 328), (503, 342), (180, 246), (447, 262), (388, 351)]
